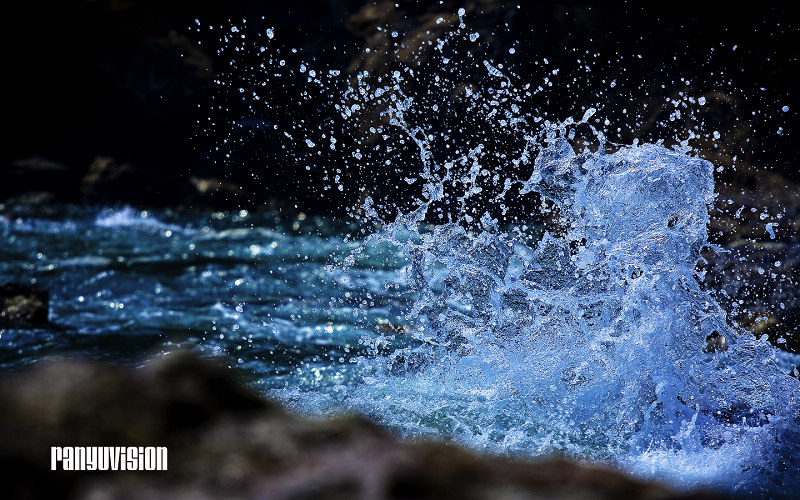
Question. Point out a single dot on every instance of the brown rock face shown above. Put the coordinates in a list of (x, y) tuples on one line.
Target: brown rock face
[(226, 442)]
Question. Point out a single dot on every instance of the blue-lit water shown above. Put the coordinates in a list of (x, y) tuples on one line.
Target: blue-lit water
[(126, 283), (503, 341), (580, 333)]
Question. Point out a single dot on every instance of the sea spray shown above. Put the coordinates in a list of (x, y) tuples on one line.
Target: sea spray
[(553, 298), (595, 338)]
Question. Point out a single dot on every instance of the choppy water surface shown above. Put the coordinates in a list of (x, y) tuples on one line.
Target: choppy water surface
[(125, 283), (585, 332)]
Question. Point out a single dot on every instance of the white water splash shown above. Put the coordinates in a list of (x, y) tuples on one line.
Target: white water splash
[(591, 337)]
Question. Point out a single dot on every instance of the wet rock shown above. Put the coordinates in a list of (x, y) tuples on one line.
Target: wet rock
[(715, 343), (34, 180), (32, 199), (217, 193), (224, 441), (748, 203), (22, 305), (107, 178), (758, 283)]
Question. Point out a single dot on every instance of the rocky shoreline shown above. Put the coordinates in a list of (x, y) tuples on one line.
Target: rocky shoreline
[(225, 441)]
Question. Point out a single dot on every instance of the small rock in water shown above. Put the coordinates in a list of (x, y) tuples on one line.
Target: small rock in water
[(715, 343), (22, 305)]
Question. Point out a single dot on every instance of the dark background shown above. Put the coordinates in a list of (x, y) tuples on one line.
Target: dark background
[(130, 83)]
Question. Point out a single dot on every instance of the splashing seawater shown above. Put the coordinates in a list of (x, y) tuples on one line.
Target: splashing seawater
[(597, 342), (592, 337)]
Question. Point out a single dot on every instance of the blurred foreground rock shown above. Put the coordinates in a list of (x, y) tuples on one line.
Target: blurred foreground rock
[(22, 305), (224, 441)]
